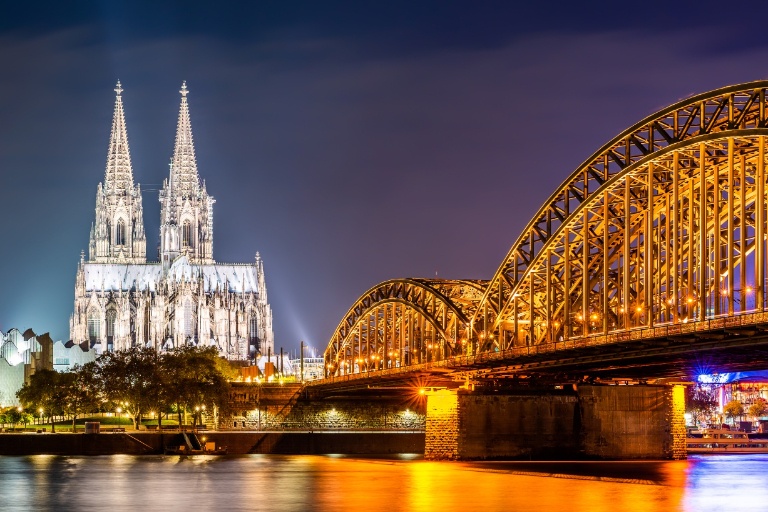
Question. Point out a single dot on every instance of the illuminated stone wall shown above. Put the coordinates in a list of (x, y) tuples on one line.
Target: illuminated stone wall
[(443, 417), (266, 407), (327, 416), (676, 420)]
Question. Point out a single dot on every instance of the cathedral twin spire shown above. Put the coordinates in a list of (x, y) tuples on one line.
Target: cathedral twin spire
[(118, 233), (184, 177), (186, 212), (119, 175)]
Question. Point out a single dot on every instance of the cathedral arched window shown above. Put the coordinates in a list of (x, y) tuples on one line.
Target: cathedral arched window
[(120, 232), (111, 318), (254, 344), (147, 325), (187, 235), (94, 327), (189, 319)]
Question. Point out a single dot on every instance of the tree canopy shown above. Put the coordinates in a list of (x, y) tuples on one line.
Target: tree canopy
[(700, 402), (733, 409), (758, 408), (136, 381)]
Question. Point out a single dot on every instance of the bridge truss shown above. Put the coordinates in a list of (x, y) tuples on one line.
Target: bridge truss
[(404, 322), (663, 227)]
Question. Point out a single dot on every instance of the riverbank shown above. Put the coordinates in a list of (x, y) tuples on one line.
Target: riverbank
[(277, 442)]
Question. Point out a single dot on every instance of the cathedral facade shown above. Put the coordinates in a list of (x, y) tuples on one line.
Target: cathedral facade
[(123, 301)]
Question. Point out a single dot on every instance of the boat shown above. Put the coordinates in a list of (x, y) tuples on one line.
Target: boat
[(715, 440), (187, 443)]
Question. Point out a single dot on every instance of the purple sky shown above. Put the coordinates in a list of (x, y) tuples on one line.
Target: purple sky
[(348, 142)]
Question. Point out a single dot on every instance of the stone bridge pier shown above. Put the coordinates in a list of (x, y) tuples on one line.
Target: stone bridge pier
[(585, 421)]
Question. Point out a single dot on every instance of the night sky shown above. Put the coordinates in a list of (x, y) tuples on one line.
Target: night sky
[(347, 142)]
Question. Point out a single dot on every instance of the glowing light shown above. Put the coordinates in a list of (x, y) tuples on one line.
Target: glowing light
[(717, 378)]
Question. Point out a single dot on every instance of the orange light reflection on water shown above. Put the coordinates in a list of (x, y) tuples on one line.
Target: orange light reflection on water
[(337, 483)]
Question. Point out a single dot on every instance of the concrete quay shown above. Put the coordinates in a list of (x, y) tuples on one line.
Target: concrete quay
[(237, 443)]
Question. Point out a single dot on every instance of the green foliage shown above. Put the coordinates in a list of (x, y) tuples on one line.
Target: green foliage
[(130, 380), (83, 391), (46, 392), (14, 416), (699, 402), (141, 380), (733, 409), (195, 379), (137, 381), (758, 409), (229, 370)]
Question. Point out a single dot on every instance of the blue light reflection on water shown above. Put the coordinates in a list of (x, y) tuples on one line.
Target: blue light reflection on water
[(288, 483)]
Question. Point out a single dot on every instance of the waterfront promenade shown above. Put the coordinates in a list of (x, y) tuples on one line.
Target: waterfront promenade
[(241, 442)]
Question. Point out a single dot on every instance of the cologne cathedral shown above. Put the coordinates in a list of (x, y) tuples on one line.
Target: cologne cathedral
[(186, 298)]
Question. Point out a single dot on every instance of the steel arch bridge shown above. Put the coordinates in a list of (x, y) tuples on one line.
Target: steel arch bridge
[(661, 232), (403, 322)]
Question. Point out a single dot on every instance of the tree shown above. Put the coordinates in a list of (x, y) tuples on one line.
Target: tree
[(83, 391), (45, 392), (758, 409), (733, 409), (699, 402), (195, 381), (15, 415), (130, 379)]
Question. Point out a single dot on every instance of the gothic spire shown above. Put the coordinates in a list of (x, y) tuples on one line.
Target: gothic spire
[(184, 177), (118, 177)]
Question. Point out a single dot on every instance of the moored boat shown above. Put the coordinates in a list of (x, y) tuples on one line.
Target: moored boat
[(713, 440)]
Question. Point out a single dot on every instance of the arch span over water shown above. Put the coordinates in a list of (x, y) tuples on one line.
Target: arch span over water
[(662, 227)]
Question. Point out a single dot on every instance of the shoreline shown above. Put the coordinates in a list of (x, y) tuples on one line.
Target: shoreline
[(237, 443)]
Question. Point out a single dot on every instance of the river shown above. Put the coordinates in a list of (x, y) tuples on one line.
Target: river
[(407, 483)]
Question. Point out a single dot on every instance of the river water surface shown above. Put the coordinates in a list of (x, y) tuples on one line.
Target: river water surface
[(296, 483)]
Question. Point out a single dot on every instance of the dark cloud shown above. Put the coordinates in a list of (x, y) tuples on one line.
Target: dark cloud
[(343, 166)]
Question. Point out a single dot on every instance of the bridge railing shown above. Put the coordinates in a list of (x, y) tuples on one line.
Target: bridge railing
[(739, 320)]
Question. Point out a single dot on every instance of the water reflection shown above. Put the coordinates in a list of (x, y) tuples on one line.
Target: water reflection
[(287, 483)]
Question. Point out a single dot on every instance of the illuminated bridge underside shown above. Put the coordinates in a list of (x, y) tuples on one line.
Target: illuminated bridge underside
[(658, 238)]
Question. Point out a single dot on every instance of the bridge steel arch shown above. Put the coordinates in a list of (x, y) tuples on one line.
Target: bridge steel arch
[(661, 232), (402, 322), (663, 225)]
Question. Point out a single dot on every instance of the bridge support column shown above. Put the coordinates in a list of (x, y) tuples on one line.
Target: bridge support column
[(633, 422), (607, 422), (442, 432)]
